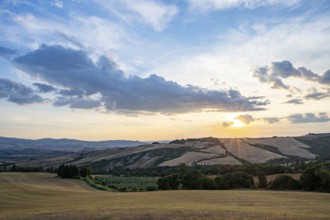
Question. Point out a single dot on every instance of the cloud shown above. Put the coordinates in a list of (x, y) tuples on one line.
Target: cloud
[(211, 5), (44, 88), (58, 3), (317, 95), (18, 93), (227, 124), (308, 118), (325, 79), (102, 83), (6, 52), (246, 119), (274, 73), (155, 14), (271, 120), (79, 103), (295, 101), (148, 12)]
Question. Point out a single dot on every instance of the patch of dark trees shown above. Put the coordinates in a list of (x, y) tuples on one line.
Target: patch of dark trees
[(191, 178), (205, 139), (315, 177), (72, 171), (251, 169)]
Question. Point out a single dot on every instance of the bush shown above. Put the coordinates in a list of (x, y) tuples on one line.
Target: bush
[(222, 182), (262, 180), (151, 188), (122, 189), (316, 178), (169, 182), (239, 180), (283, 182), (193, 180), (209, 183)]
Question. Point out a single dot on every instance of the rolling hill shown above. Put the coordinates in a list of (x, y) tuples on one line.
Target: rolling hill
[(198, 151)]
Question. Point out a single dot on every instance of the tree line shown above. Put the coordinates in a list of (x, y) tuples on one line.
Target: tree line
[(315, 177), (72, 171)]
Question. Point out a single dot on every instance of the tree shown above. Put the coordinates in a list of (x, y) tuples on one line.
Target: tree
[(182, 169), (283, 182), (239, 180), (89, 171), (308, 180), (13, 168), (262, 180), (169, 182), (209, 183), (193, 179), (316, 178), (222, 182)]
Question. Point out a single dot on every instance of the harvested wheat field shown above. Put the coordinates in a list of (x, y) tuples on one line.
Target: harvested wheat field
[(247, 152), (45, 196), (286, 145)]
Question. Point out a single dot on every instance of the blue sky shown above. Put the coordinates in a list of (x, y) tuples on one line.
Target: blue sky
[(148, 69)]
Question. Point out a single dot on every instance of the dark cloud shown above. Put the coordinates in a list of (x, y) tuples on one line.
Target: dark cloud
[(227, 124), (271, 120), (317, 95), (84, 79), (309, 118), (277, 71), (246, 119), (284, 69), (72, 92), (295, 101), (308, 74), (6, 52), (325, 79), (264, 77), (18, 93), (44, 88), (82, 103)]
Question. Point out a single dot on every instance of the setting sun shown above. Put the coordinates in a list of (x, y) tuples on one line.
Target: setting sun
[(237, 124)]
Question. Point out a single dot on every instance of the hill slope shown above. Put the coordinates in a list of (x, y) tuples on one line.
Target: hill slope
[(201, 151)]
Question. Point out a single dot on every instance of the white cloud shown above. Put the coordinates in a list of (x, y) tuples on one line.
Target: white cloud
[(58, 3), (206, 5), (149, 12), (154, 14)]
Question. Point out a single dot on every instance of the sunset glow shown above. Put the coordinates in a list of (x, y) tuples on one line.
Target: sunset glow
[(160, 70)]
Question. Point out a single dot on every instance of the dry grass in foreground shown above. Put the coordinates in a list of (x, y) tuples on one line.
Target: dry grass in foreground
[(44, 196)]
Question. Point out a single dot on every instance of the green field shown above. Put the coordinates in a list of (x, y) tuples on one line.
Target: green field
[(45, 196), (127, 183)]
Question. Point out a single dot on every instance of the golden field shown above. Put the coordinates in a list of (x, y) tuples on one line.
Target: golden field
[(45, 196)]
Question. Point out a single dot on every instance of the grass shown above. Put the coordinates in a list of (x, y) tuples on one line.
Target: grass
[(128, 183), (44, 196)]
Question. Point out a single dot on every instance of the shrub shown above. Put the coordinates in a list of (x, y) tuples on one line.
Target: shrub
[(316, 178), (193, 180), (262, 180), (239, 180), (222, 182), (169, 182), (122, 189), (209, 183), (151, 188), (283, 182)]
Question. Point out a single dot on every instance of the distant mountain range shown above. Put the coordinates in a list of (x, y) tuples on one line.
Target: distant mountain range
[(63, 144)]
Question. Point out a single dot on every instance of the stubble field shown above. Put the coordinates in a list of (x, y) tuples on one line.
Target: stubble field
[(45, 196)]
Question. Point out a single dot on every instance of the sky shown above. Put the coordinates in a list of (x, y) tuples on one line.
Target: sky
[(164, 69)]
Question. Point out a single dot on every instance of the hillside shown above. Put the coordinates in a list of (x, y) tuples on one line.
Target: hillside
[(200, 151), (62, 144)]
